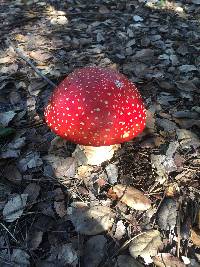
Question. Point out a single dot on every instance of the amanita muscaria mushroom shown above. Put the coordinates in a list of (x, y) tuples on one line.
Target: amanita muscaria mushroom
[(97, 108)]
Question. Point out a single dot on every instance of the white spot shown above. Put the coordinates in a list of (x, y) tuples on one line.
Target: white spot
[(118, 84)]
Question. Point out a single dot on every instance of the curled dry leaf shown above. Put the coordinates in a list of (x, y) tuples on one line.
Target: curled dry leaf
[(146, 245), (167, 214), (92, 221), (131, 197), (14, 208), (166, 259)]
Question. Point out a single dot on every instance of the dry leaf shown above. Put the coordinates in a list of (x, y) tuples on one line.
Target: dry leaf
[(167, 214), (167, 260), (34, 239), (62, 167), (32, 190), (195, 237), (127, 261), (40, 55), (61, 255), (12, 174), (6, 117), (92, 221), (120, 230), (146, 245), (94, 251), (31, 160), (14, 208), (131, 197), (20, 258), (60, 208)]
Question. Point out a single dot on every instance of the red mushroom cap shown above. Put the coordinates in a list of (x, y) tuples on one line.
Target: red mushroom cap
[(97, 107)]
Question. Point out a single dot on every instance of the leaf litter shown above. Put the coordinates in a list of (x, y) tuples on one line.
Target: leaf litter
[(42, 179)]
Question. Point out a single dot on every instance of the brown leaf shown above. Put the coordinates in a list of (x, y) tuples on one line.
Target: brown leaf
[(92, 221), (6, 59), (146, 245), (167, 260), (195, 237), (132, 197), (40, 55)]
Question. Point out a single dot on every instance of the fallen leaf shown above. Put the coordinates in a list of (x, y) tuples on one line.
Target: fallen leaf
[(103, 10), (188, 86), (167, 260), (12, 150), (35, 86), (60, 208), (92, 221), (195, 237), (12, 68), (120, 230), (187, 68), (40, 55), (131, 197), (144, 55), (94, 251), (146, 245), (187, 138), (62, 167), (12, 174), (6, 117), (20, 258), (31, 160), (33, 191), (34, 239), (112, 173), (4, 132), (6, 59), (167, 125), (167, 214), (127, 261), (185, 114), (61, 255), (14, 208)]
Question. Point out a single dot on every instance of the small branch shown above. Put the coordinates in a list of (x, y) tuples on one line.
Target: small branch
[(25, 58)]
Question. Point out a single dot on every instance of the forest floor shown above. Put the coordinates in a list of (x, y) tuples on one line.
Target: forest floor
[(57, 212)]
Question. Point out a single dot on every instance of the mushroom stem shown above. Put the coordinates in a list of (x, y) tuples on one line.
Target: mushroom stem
[(96, 155)]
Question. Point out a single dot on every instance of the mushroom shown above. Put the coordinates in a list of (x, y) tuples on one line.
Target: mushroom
[(97, 108)]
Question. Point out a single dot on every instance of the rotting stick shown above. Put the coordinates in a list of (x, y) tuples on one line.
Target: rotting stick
[(25, 58)]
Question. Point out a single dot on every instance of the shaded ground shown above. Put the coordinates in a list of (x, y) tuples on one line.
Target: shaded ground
[(154, 43)]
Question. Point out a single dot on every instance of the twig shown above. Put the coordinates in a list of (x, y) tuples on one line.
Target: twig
[(9, 232), (25, 58)]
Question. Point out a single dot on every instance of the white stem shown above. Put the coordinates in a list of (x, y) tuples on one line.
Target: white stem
[(97, 155)]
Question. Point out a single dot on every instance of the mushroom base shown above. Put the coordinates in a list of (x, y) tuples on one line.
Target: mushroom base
[(96, 155)]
